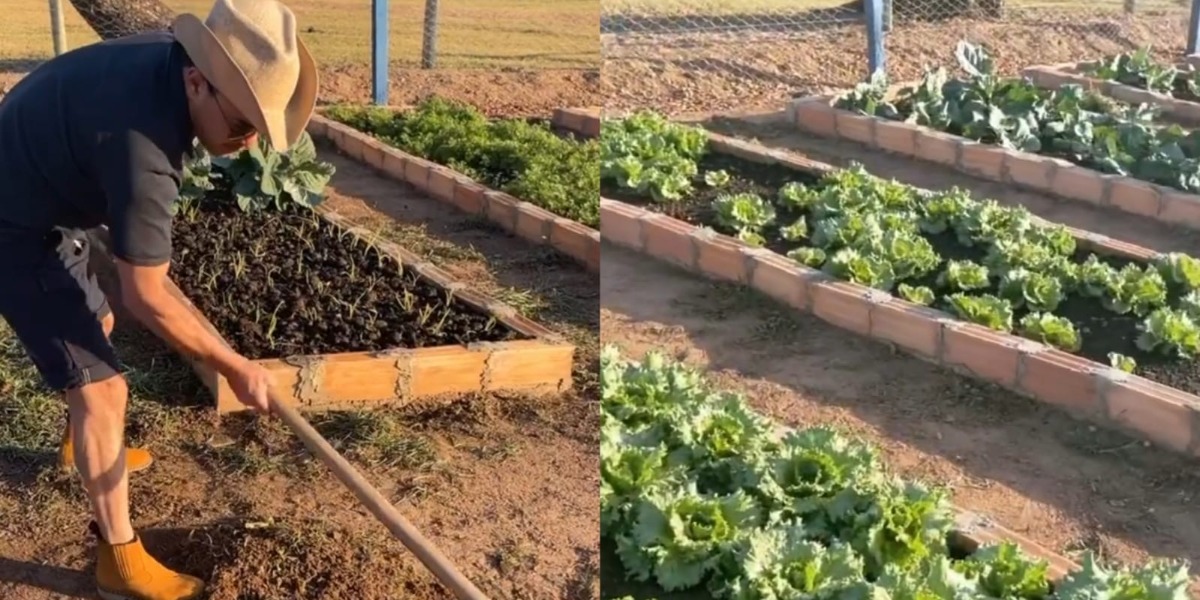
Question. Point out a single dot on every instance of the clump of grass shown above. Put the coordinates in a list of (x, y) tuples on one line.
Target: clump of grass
[(377, 438), (32, 417)]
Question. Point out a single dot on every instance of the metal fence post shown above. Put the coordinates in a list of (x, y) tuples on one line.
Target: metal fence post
[(875, 54), (429, 40), (379, 51), (57, 29), (1194, 28)]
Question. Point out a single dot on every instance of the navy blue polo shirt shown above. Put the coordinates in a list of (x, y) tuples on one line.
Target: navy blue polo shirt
[(98, 136)]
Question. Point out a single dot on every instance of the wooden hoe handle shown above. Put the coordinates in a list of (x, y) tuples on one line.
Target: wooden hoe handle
[(377, 504)]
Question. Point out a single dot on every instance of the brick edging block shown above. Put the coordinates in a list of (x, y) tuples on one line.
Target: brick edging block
[(973, 530), (582, 120), (1054, 76), (1095, 391), (444, 184), (1044, 174)]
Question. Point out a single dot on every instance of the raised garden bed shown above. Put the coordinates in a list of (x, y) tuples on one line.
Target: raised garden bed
[(340, 317), (1037, 323), (521, 174), (702, 496), (1069, 142), (1134, 78)]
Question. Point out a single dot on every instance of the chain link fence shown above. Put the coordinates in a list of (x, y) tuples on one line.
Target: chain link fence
[(499, 34), (711, 55)]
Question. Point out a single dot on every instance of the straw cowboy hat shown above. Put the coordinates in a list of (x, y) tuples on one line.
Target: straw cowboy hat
[(249, 51)]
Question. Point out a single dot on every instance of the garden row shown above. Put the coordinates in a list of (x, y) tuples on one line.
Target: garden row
[(1069, 141), (538, 183), (339, 316), (702, 494), (1134, 78), (1102, 328)]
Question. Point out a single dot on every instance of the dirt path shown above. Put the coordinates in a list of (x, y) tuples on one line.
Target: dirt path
[(763, 65), (505, 486), (1131, 228), (1032, 468)]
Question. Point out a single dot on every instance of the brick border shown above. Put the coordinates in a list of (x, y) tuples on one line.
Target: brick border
[(972, 530), (1053, 176), (526, 220), (1056, 75), (1091, 390), (541, 364)]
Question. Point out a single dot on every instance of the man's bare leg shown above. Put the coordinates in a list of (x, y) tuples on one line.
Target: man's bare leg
[(97, 415), (124, 570), (135, 459)]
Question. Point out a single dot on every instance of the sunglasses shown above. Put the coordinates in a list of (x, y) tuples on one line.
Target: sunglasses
[(238, 128)]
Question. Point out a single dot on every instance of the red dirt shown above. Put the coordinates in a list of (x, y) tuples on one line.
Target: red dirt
[(702, 72), (500, 92)]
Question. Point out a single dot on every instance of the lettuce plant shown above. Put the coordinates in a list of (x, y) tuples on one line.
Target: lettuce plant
[(820, 518)]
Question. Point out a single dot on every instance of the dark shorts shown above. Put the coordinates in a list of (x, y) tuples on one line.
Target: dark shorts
[(54, 304)]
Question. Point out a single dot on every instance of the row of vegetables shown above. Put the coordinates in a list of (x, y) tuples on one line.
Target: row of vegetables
[(1071, 123), (991, 264), (700, 492)]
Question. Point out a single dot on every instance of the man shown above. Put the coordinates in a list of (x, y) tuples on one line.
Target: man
[(98, 136)]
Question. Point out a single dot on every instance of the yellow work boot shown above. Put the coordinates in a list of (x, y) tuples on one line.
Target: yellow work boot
[(136, 459), (127, 572)]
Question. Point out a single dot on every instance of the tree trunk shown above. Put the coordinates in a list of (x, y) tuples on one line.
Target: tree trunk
[(119, 18)]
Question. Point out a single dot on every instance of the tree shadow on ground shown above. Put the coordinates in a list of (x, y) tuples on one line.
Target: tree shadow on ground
[(64, 582)]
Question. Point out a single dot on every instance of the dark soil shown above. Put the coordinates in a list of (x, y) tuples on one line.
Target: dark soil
[(282, 284), (1101, 331)]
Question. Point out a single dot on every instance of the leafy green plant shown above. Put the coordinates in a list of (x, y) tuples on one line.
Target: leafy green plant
[(1004, 267), (795, 232), (809, 257), (647, 153), (1068, 122), (809, 513), (1038, 291), (1137, 69), (198, 177), (1180, 270), (863, 269), (963, 275), (1122, 362), (1135, 289), (258, 178), (261, 178), (985, 309), (525, 159), (1157, 579), (1051, 329), (1170, 331), (746, 214), (717, 179), (916, 294)]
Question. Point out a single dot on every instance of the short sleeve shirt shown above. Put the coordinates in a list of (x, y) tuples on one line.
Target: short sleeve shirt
[(98, 136)]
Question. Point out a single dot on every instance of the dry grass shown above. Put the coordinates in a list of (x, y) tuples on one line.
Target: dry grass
[(724, 7), (493, 34)]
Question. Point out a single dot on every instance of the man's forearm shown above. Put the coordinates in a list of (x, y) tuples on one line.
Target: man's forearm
[(170, 320)]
